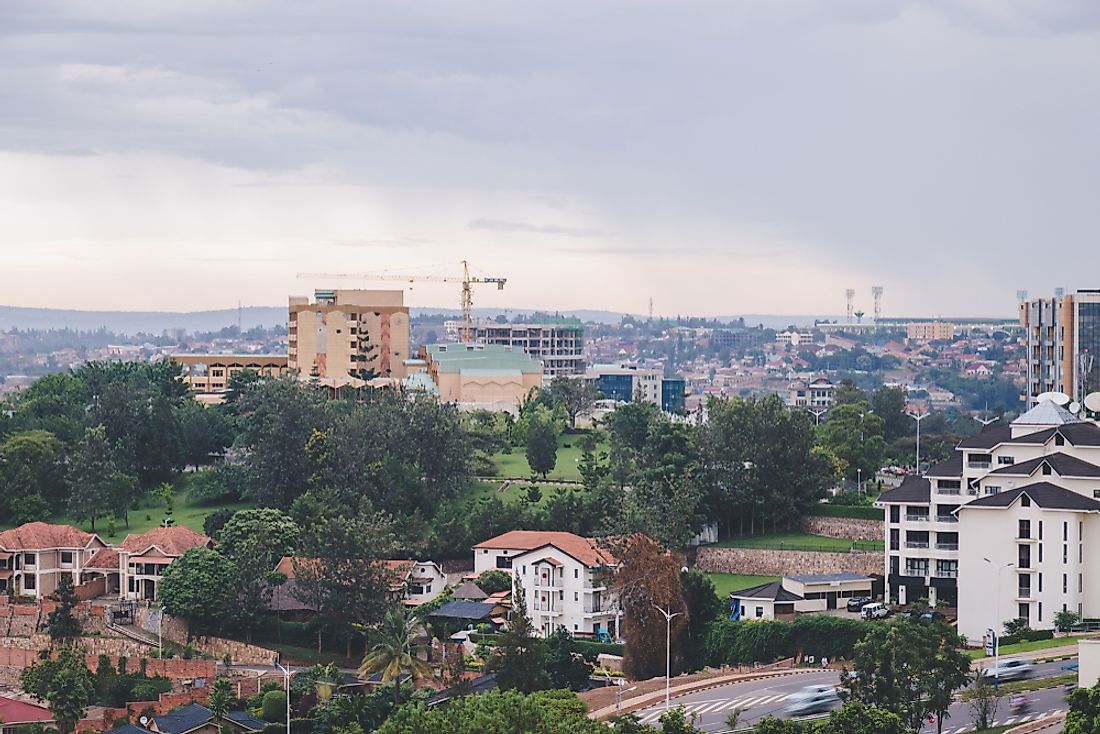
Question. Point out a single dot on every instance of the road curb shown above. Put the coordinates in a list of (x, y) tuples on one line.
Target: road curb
[(644, 700)]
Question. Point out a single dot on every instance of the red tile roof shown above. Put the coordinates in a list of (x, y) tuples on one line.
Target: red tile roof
[(585, 550), (39, 535), (173, 541), (14, 713), (106, 558)]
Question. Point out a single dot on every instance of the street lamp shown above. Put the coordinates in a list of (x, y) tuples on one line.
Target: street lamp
[(997, 625), (669, 616), (986, 422), (619, 694), (918, 417), (286, 676), (817, 415)]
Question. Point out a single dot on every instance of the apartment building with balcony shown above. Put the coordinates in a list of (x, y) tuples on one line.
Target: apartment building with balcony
[(1043, 468), (1063, 343), (342, 337), (564, 576)]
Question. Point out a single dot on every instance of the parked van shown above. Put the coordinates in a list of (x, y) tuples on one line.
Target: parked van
[(874, 610)]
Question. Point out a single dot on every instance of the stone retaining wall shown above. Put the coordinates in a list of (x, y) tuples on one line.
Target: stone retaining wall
[(843, 527), (757, 562), (241, 652)]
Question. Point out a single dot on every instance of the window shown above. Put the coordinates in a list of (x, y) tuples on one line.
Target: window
[(576, 573), (1006, 460), (1080, 583), (1025, 501), (759, 612), (1065, 554), (1065, 531), (992, 490), (895, 512), (1024, 529), (1040, 611), (504, 562), (1025, 612), (894, 536), (1040, 553), (1040, 583), (576, 596), (1025, 586), (1059, 440), (1065, 584), (895, 564), (1024, 556), (30, 582), (1040, 530), (523, 570), (66, 557)]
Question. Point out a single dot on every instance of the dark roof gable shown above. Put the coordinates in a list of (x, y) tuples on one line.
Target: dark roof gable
[(773, 591), (913, 489), (1044, 494), (1064, 465)]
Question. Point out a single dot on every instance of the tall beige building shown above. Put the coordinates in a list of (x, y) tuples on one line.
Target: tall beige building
[(349, 334)]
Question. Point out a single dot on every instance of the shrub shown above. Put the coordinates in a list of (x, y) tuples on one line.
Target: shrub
[(303, 726), (273, 707)]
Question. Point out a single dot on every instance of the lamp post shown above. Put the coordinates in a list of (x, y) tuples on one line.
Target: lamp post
[(817, 415), (986, 421), (286, 677), (669, 616), (997, 625), (918, 417), (619, 694)]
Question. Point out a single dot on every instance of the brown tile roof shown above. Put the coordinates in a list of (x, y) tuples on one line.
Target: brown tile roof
[(39, 535), (106, 559), (173, 541), (585, 550), (400, 569)]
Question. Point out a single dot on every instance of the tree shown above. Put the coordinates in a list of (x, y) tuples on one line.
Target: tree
[(859, 718), (1065, 620), (648, 578), (273, 707), (889, 404), (221, 695), (666, 501), (91, 475), (576, 395), (201, 585), (494, 580), (542, 443), (565, 664), (63, 625), (339, 570), (255, 540), (502, 712), (704, 607), (676, 721), (518, 656), (32, 466), (908, 668), (1084, 711), (393, 651), (65, 682), (983, 703), (854, 435)]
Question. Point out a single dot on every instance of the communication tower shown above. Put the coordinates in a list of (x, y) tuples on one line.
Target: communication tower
[(850, 294), (876, 291)]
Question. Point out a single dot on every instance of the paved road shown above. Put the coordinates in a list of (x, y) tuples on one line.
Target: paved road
[(757, 699)]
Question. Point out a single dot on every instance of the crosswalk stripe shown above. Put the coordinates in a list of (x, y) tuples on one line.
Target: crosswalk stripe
[(706, 708)]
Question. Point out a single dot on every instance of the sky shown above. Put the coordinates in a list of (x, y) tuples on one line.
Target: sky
[(717, 157)]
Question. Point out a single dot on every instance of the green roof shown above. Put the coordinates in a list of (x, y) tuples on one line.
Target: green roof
[(482, 359)]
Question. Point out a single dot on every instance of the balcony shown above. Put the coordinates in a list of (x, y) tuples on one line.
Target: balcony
[(547, 583), (947, 573), (947, 546), (546, 607), (946, 518), (955, 490), (918, 571), (1023, 593), (916, 544), (916, 518), (978, 464)]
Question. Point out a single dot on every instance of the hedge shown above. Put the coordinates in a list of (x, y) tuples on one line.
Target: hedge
[(587, 647), (743, 642), (852, 512), (1027, 635)]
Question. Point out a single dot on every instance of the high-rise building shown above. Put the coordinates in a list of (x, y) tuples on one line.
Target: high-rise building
[(1063, 341), (348, 334), (559, 346)]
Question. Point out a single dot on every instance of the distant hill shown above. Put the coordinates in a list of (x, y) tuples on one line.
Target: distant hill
[(156, 322)]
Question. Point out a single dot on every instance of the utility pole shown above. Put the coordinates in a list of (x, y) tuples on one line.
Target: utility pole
[(997, 625), (669, 616)]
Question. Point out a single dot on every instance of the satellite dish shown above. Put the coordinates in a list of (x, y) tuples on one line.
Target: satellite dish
[(1075, 407), (1058, 398), (1092, 402), (144, 720)]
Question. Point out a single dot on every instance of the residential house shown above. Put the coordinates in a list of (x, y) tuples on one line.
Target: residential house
[(35, 555), (193, 718), (143, 557), (799, 595), (15, 714), (564, 577), (414, 582)]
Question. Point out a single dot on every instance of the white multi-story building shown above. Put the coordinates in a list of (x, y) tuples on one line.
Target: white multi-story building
[(1003, 528), (559, 346), (564, 578)]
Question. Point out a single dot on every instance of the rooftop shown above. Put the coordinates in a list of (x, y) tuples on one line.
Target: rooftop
[(1061, 464), (913, 489), (773, 591), (1044, 494), (486, 358), (1046, 413), (827, 578), (173, 541), (14, 712), (585, 550), (39, 535)]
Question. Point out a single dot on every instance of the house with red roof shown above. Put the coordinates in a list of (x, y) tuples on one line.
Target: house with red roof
[(35, 555), (564, 577), (15, 714), (143, 557), (413, 583)]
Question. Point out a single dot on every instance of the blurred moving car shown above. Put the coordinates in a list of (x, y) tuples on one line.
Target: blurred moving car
[(1010, 669), (813, 700)]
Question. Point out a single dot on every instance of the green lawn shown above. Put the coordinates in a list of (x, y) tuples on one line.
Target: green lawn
[(516, 492), (150, 513), (514, 465), (801, 541), (1021, 647), (724, 583)]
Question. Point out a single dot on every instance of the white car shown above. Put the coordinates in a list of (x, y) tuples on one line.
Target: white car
[(813, 700), (874, 610), (1011, 669)]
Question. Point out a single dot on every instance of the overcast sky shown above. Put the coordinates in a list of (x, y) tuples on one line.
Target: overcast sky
[(721, 157)]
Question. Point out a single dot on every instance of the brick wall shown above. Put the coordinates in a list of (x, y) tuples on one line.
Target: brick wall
[(175, 669), (842, 527), (758, 562), (92, 589)]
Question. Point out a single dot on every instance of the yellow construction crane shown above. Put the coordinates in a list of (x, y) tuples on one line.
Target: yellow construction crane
[(467, 298)]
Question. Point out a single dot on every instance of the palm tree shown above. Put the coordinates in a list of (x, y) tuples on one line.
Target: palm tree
[(220, 695), (393, 651)]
